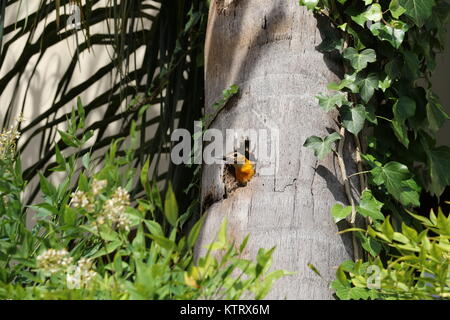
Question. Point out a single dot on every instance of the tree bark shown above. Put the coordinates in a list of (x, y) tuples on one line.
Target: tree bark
[(268, 48)]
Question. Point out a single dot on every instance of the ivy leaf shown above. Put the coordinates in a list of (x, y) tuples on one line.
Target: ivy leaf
[(374, 13), (370, 207), (394, 68), (359, 60), (396, 9), (349, 82), (394, 35), (345, 292), (410, 194), (385, 84), (370, 245), (329, 102), (401, 132), (354, 118), (331, 43), (418, 10), (436, 115), (309, 4), (367, 85), (370, 114), (321, 147), (411, 66), (397, 179), (439, 169), (404, 108), (340, 213)]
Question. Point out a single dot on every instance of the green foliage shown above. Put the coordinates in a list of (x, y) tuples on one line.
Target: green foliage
[(418, 266), (388, 51), (381, 89), (381, 81), (322, 147), (93, 240), (167, 78)]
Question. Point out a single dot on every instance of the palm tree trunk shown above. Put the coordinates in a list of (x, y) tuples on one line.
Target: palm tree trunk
[(268, 48)]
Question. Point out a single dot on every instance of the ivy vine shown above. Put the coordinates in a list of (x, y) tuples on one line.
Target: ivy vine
[(386, 104)]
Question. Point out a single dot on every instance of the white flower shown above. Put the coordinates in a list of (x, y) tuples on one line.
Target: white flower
[(8, 138), (114, 210), (98, 186), (80, 275), (80, 199), (52, 261)]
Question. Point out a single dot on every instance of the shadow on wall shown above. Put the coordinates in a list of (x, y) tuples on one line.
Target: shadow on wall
[(441, 86)]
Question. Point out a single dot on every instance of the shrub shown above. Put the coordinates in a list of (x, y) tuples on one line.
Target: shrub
[(418, 266), (91, 240)]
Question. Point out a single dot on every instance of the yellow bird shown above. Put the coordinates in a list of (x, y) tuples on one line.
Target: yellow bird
[(244, 169)]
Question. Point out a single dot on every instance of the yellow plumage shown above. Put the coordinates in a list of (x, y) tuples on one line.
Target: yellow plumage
[(244, 169)]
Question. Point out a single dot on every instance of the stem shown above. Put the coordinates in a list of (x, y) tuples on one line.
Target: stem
[(359, 173), (384, 118), (339, 153)]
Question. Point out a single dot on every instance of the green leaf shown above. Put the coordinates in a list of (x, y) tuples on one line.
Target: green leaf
[(345, 292), (367, 85), (354, 118), (195, 231), (314, 269), (397, 179), (163, 242), (370, 245), (396, 9), (60, 160), (154, 228), (338, 212), (370, 207), (404, 108), (439, 169), (418, 10), (374, 13), (359, 60), (310, 4), (394, 35), (329, 102), (387, 229), (81, 113), (86, 160), (348, 82), (331, 43), (411, 66), (436, 115), (68, 139), (221, 239), (171, 207), (46, 187), (321, 147), (144, 173), (385, 83), (410, 194)]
